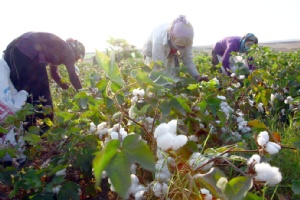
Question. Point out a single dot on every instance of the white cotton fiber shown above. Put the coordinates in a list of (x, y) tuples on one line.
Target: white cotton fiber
[(172, 126), (161, 129), (165, 141), (179, 141)]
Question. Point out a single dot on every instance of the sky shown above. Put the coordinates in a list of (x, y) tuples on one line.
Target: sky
[(93, 22)]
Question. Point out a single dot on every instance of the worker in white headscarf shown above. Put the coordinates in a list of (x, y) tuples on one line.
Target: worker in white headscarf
[(168, 44)]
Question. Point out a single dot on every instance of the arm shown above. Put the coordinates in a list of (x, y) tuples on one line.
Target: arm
[(225, 59), (187, 59), (73, 76), (56, 77)]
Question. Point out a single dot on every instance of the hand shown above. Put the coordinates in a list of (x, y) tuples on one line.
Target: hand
[(201, 78), (64, 86)]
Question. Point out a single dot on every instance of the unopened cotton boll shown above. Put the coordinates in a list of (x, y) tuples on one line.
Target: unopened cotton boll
[(179, 141)]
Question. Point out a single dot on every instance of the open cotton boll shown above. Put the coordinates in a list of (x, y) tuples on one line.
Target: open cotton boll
[(93, 127), (165, 141), (267, 173), (272, 148), (265, 135), (160, 189), (172, 126), (179, 141), (261, 141), (161, 129), (255, 158), (139, 195)]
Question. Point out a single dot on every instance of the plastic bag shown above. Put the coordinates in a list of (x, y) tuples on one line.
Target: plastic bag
[(11, 100), (237, 65)]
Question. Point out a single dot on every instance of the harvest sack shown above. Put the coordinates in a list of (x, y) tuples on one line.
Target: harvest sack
[(11, 100), (237, 65)]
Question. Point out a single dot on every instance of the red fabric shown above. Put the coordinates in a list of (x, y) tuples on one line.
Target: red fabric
[(173, 51)]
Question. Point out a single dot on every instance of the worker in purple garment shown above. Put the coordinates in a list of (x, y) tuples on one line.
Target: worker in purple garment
[(223, 48), (28, 55)]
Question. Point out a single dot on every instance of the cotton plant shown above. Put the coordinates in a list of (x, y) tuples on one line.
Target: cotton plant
[(197, 160), (263, 141), (264, 172), (166, 137)]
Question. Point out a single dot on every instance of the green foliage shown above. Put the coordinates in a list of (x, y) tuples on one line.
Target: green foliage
[(75, 142)]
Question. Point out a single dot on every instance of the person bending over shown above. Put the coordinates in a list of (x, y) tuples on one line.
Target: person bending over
[(29, 54)]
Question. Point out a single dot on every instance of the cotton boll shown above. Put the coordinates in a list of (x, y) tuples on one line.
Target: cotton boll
[(160, 130), (56, 189), (134, 179), (172, 126), (160, 189), (165, 141), (221, 97), (255, 158), (93, 127), (133, 168), (114, 135), (104, 174), (265, 135), (267, 173), (179, 141), (261, 141), (61, 172), (160, 154), (139, 195), (272, 148)]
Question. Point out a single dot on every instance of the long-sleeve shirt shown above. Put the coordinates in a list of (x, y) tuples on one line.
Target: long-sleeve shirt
[(224, 47), (48, 48), (157, 48)]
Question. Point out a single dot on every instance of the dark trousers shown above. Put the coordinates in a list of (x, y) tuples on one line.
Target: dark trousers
[(29, 75)]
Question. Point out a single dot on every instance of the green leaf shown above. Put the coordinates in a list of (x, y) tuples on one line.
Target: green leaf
[(251, 196), (32, 138), (119, 173), (102, 159), (238, 187), (110, 67), (69, 190), (165, 108), (296, 186), (138, 151), (210, 179), (42, 197)]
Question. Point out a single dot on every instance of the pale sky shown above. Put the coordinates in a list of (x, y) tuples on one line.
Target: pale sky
[(93, 21)]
